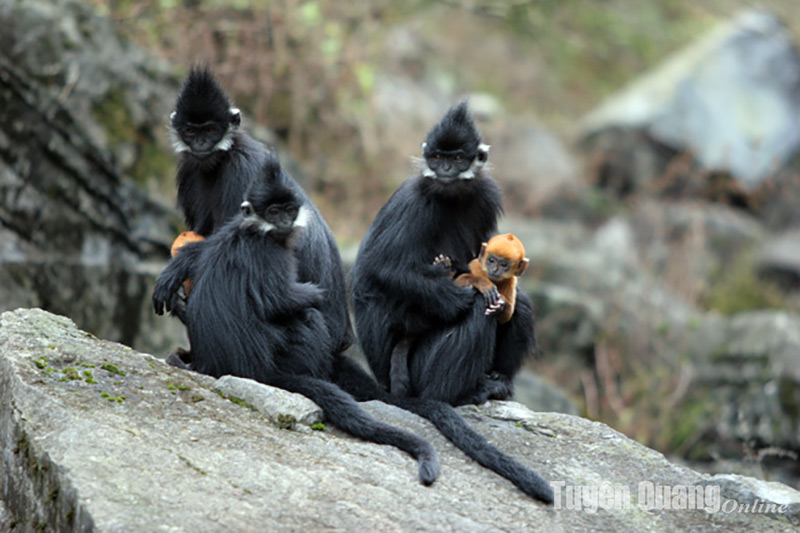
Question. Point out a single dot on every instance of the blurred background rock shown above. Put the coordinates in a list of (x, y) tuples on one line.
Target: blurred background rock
[(649, 151)]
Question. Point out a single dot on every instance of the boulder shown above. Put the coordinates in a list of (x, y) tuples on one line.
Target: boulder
[(750, 366), (687, 244), (96, 436), (778, 259), (729, 382), (280, 406), (81, 128), (730, 100), (530, 162)]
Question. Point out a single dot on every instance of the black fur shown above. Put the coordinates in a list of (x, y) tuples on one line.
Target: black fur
[(211, 188), (350, 377), (455, 132), (201, 100), (249, 315), (399, 295), (403, 302)]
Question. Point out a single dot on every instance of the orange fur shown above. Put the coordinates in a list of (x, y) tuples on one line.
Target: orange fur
[(182, 240), (507, 247)]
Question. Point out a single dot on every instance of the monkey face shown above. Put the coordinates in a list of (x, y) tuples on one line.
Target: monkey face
[(449, 165), (202, 139), (498, 268), (278, 221), (282, 216)]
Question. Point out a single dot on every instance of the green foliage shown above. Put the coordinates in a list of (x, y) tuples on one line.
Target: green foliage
[(70, 374), (117, 399), (152, 163), (737, 287), (113, 114), (285, 421), (309, 70), (238, 401), (113, 369), (592, 48), (311, 14), (687, 422)]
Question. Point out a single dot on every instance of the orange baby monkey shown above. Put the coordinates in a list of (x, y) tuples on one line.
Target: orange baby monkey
[(496, 269), (181, 240)]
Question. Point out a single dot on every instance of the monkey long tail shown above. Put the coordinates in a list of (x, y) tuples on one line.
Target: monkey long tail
[(474, 445), (451, 424), (345, 413)]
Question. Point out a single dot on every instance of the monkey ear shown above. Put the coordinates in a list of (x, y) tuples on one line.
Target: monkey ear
[(424, 145), (247, 209), (236, 116), (482, 253), (172, 116), (483, 152), (522, 266)]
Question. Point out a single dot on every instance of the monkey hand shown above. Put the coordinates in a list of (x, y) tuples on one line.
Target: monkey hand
[(164, 298), (494, 301), (446, 263)]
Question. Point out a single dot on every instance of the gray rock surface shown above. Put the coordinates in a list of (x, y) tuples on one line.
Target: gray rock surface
[(93, 437), (740, 373), (748, 490), (82, 140), (750, 364), (686, 243), (730, 99), (529, 161), (779, 259), (279, 405)]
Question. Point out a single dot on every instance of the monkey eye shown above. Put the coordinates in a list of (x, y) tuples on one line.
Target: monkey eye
[(491, 260), (191, 131), (438, 157), (273, 211), (504, 264), (291, 211), (458, 157)]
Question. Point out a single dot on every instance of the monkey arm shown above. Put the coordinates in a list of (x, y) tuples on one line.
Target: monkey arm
[(478, 280), (170, 280), (427, 289), (505, 315), (269, 304)]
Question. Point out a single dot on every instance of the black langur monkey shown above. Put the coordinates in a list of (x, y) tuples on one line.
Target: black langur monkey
[(404, 302), (217, 163), (250, 316), (263, 324), (408, 310), (216, 183)]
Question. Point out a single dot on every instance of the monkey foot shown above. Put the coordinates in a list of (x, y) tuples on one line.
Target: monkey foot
[(180, 358), (499, 387)]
